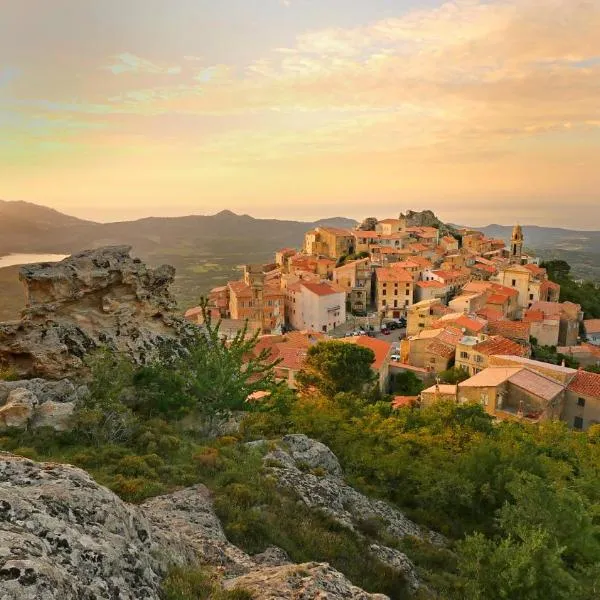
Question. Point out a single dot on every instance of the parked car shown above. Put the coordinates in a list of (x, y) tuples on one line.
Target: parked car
[(395, 357)]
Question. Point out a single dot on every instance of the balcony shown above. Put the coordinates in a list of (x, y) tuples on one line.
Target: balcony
[(333, 308)]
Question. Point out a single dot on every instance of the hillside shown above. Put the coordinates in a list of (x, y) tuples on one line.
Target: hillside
[(205, 250), (581, 249)]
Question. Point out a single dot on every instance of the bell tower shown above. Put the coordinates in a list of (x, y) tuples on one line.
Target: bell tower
[(516, 245)]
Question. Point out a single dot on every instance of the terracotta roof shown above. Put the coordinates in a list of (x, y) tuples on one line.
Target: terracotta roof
[(336, 231), (450, 239), (192, 312), (500, 345), (389, 221), (532, 316), (490, 314), (320, 289), (292, 358), (393, 275), (240, 289), (592, 325), (535, 270), (580, 350), (516, 330), (401, 401), (528, 362), (418, 247), (536, 384), (380, 348), (586, 384), (218, 290), (430, 284), (549, 285), (446, 389), (440, 349), (461, 321), (490, 377), (448, 275)]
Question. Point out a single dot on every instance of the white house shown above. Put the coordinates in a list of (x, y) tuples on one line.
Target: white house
[(315, 306)]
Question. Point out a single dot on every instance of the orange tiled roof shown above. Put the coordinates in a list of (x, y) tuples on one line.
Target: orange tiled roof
[(430, 284), (497, 299), (592, 325), (389, 274), (500, 345), (440, 349), (380, 348), (402, 401), (586, 383), (240, 289), (320, 289), (533, 316), (389, 221), (535, 270), (490, 314), (515, 330)]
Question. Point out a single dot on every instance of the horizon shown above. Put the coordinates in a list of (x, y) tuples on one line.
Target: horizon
[(482, 110), (309, 221)]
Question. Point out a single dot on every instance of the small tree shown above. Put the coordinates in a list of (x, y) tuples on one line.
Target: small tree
[(332, 367), (215, 377), (454, 375)]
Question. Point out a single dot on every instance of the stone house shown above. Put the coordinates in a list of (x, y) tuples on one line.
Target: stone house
[(473, 352), (591, 328), (394, 291), (316, 307), (355, 278)]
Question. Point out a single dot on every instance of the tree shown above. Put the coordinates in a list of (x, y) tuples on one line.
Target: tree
[(407, 384), (213, 378), (332, 367), (593, 369), (368, 224), (557, 269), (454, 375)]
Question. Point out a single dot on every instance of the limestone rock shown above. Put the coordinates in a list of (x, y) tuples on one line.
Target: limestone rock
[(329, 493), (38, 403), (98, 298), (315, 581), (18, 409), (187, 527), (64, 537), (53, 414)]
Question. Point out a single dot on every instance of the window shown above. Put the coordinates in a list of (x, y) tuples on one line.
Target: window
[(395, 303), (514, 282), (531, 296), (395, 292), (580, 401), (578, 423), (383, 303), (407, 292), (384, 293), (464, 355)]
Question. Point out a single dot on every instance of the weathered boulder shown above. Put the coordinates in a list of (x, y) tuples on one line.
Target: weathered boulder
[(64, 537), (18, 409), (293, 582), (38, 403), (97, 298)]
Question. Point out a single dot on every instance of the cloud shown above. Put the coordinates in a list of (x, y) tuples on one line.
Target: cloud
[(130, 63)]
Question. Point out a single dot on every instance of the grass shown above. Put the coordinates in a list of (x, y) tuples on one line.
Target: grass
[(198, 583)]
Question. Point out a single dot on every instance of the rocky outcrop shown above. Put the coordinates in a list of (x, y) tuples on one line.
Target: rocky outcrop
[(64, 537), (35, 403), (426, 218), (293, 582), (312, 472), (98, 298)]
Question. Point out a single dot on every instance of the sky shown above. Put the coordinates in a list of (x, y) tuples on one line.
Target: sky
[(482, 110)]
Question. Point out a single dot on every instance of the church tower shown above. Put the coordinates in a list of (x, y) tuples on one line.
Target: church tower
[(516, 245)]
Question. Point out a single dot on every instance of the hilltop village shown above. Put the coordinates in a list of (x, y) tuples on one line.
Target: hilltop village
[(465, 313)]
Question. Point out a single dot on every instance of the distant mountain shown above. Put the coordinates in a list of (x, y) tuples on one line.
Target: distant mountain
[(24, 225), (206, 250)]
